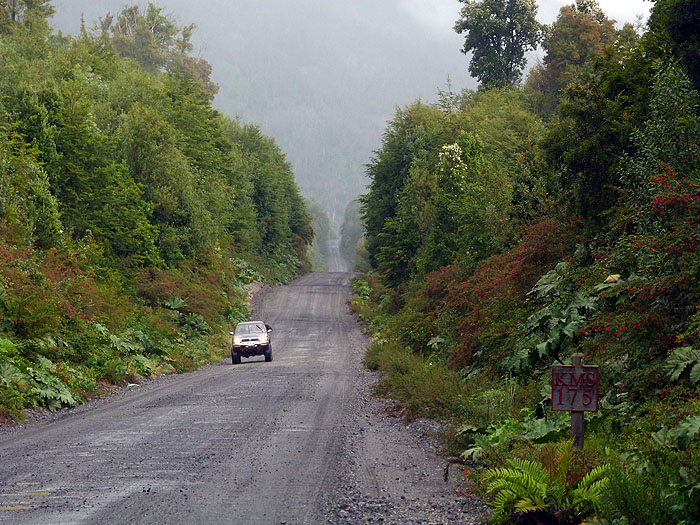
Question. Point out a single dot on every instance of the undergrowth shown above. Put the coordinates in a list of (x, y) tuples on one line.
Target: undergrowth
[(67, 334), (648, 448)]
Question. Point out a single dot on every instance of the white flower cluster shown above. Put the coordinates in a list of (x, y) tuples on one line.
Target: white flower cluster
[(451, 153), (453, 167)]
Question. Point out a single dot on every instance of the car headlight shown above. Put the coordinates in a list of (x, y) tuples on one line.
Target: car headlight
[(264, 339), (236, 340)]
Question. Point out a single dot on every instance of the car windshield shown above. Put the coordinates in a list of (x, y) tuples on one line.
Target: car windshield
[(250, 329)]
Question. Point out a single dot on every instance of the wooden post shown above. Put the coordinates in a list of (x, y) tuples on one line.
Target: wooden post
[(577, 415)]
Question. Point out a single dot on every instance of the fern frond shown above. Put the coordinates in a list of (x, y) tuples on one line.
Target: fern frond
[(597, 474), (522, 486), (564, 453), (503, 505), (695, 374), (588, 495), (505, 499), (513, 480), (532, 469), (529, 505)]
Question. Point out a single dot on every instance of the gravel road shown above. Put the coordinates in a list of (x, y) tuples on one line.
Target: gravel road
[(298, 440)]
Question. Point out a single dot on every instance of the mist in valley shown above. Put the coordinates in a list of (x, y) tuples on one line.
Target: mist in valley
[(322, 77)]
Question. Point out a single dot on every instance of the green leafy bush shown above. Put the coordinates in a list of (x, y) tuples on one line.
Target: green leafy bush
[(531, 488)]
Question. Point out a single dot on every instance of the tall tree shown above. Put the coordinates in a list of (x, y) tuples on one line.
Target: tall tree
[(499, 32), (416, 132), (32, 13), (580, 33), (675, 26), (157, 43), (146, 36)]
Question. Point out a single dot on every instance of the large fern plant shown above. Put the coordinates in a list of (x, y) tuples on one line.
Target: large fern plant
[(530, 488)]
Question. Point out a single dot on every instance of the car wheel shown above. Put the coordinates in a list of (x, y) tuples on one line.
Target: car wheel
[(268, 355), (235, 358)]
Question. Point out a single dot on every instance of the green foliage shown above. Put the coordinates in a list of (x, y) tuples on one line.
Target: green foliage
[(440, 193), (681, 435), (498, 33), (425, 388), (25, 194), (132, 213), (32, 14), (320, 223), (30, 384), (584, 144), (462, 218), (507, 432), (413, 136), (546, 488), (664, 143), (155, 42), (673, 28), (352, 241), (686, 431), (503, 121), (555, 328), (50, 389), (635, 497), (684, 359)]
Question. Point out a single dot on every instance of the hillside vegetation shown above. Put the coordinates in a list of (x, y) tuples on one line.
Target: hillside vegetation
[(510, 227), (132, 214)]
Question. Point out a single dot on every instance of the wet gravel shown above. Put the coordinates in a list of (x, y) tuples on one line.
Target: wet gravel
[(393, 471), (306, 441)]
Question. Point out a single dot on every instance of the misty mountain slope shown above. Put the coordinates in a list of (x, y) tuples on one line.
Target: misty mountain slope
[(322, 77)]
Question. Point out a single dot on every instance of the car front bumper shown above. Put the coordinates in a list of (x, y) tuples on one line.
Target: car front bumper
[(250, 350)]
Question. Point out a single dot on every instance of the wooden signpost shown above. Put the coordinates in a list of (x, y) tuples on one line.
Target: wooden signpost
[(575, 389)]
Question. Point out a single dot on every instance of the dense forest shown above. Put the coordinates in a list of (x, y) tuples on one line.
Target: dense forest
[(132, 214), (514, 225)]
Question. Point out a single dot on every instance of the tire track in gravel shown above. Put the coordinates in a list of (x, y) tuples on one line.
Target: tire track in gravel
[(298, 440)]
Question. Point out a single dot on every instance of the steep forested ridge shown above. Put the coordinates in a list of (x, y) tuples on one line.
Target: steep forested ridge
[(509, 228), (132, 213)]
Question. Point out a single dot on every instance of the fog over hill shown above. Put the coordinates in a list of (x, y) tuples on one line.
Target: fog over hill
[(321, 76), (324, 76)]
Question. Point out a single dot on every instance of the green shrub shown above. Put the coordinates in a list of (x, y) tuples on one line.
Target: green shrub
[(424, 388), (639, 499), (546, 487)]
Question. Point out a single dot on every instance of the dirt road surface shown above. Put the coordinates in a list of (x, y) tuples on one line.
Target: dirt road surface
[(295, 441)]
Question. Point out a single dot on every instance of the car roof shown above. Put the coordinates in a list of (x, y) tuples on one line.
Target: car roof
[(251, 322)]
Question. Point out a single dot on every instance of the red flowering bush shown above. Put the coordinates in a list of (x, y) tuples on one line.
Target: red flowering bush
[(46, 292), (653, 311), (480, 312)]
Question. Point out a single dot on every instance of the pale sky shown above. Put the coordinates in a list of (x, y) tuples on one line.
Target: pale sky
[(442, 14)]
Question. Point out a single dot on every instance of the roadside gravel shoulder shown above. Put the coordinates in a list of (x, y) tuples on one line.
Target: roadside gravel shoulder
[(393, 472), (256, 292)]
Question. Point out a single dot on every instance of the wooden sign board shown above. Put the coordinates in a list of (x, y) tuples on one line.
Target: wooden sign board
[(574, 388)]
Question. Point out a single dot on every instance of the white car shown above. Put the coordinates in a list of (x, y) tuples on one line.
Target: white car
[(251, 338)]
